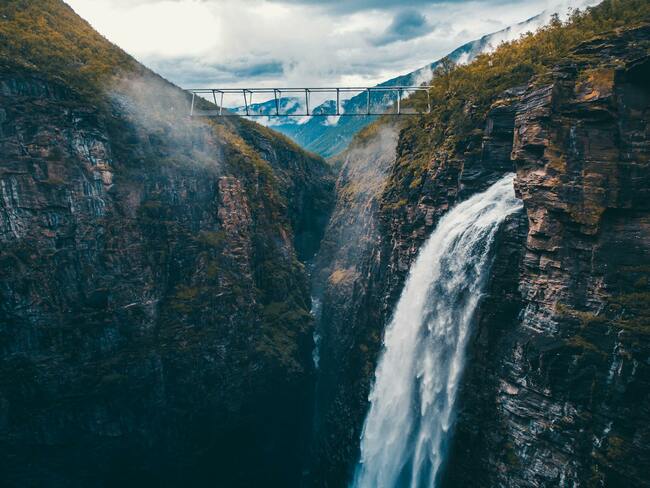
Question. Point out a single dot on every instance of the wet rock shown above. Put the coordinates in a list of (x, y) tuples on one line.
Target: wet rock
[(576, 142)]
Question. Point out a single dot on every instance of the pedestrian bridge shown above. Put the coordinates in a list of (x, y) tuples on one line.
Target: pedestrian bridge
[(310, 102)]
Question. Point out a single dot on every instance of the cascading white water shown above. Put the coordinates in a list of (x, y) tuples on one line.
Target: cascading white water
[(412, 401)]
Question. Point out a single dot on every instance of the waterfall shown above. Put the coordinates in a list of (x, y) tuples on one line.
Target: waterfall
[(407, 428)]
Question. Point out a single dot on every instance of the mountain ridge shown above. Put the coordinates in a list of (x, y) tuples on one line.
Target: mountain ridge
[(328, 136)]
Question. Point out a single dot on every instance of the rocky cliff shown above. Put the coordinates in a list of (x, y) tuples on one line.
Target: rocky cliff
[(154, 306), (346, 283), (154, 293), (556, 385), (569, 392), (369, 247)]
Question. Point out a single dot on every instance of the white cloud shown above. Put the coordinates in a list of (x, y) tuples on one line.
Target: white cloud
[(154, 28), (295, 42)]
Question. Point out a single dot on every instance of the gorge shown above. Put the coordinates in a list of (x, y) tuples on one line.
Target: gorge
[(457, 299)]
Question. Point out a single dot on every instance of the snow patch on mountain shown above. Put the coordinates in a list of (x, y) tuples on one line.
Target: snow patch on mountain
[(330, 135)]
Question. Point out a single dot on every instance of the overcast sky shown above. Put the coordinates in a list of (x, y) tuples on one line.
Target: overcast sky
[(224, 43)]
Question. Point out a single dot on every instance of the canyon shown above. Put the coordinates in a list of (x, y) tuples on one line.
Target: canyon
[(157, 272), (154, 316)]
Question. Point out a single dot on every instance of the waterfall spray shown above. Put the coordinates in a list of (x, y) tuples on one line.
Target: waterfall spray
[(411, 413)]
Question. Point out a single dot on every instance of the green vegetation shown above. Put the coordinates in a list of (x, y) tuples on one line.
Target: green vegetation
[(213, 270), (187, 293), (478, 84), (462, 95), (511, 457), (582, 344), (284, 323), (629, 304), (628, 307), (585, 318), (615, 448), (632, 311), (48, 37), (212, 238)]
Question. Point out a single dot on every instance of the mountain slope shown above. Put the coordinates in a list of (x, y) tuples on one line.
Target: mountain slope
[(154, 309)]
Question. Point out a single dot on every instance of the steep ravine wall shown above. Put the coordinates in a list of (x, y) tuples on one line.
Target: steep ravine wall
[(568, 381), (556, 384), (154, 314), (363, 272), (346, 282)]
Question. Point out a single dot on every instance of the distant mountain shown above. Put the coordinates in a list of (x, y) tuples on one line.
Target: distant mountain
[(328, 136)]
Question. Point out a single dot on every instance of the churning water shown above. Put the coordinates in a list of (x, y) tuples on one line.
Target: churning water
[(407, 428)]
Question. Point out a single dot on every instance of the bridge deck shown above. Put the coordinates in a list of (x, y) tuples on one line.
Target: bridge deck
[(344, 102)]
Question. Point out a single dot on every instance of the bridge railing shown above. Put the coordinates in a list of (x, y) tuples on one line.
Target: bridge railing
[(312, 102)]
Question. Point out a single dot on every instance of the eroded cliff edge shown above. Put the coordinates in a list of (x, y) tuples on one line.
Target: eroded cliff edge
[(569, 392), (154, 303), (556, 385)]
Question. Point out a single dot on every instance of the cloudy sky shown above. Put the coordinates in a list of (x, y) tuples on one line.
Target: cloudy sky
[(235, 43)]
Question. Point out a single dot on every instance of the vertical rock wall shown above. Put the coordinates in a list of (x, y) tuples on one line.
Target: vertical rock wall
[(154, 324)]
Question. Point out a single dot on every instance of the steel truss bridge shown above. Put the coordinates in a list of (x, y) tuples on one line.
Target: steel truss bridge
[(339, 101)]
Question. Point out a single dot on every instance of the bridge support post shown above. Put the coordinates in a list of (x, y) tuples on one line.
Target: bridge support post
[(338, 101), (368, 101), (399, 101)]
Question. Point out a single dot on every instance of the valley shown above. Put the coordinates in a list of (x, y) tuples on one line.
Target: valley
[(453, 299)]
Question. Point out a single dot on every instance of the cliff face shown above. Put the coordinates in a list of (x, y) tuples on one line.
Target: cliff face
[(569, 392), (154, 312), (347, 284), (556, 384)]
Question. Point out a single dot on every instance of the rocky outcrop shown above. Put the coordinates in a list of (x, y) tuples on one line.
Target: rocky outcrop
[(154, 311), (346, 283)]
